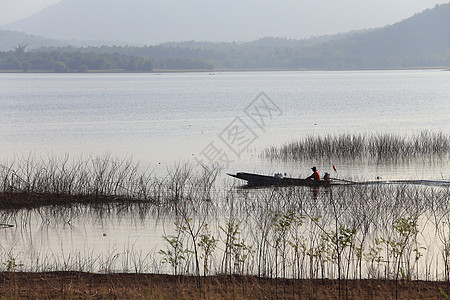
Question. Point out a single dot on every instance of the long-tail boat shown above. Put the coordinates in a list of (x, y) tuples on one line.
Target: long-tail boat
[(266, 180)]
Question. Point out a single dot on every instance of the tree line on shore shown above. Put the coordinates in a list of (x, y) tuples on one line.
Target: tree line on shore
[(209, 56), (82, 61)]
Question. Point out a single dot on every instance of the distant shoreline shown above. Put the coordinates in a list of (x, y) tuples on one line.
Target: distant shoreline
[(157, 71)]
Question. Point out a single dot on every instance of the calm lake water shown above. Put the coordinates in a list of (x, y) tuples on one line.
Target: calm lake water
[(162, 119), (166, 118)]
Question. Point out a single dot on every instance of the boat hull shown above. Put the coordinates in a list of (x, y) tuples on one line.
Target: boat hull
[(264, 180)]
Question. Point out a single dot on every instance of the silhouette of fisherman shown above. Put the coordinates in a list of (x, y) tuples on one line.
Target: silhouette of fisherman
[(315, 175)]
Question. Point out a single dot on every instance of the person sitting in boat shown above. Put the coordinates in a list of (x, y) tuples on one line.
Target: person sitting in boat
[(326, 177), (315, 175)]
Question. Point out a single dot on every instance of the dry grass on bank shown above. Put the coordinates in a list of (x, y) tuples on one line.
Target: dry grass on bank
[(148, 286)]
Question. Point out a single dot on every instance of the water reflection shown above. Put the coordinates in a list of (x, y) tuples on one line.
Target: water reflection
[(381, 228), (285, 231)]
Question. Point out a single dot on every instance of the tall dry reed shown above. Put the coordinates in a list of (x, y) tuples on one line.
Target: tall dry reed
[(386, 146)]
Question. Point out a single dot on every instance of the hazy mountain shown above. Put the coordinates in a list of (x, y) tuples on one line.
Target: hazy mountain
[(422, 40), (149, 21), (10, 39), (425, 33), (156, 21), (419, 41)]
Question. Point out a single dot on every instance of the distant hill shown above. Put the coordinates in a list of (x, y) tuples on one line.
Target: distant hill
[(422, 40), (155, 21), (10, 39)]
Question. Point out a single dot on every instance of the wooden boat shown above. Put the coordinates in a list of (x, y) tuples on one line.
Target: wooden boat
[(258, 180), (265, 180)]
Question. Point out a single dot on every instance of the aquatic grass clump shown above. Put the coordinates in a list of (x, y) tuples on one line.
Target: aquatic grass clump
[(34, 182), (385, 146), (424, 144)]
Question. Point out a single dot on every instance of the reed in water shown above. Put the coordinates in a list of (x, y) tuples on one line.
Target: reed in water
[(31, 182), (382, 146)]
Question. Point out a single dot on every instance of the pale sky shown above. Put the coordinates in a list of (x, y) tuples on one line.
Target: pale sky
[(348, 14)]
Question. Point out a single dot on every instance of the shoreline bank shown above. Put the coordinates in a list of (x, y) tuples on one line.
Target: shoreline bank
[(159, 286)]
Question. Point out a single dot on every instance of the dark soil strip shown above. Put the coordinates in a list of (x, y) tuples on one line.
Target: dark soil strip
[(149, 286)]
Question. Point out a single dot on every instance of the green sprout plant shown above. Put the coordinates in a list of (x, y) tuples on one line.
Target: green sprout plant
[(175, 253), (11, 264), (236, 250)]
